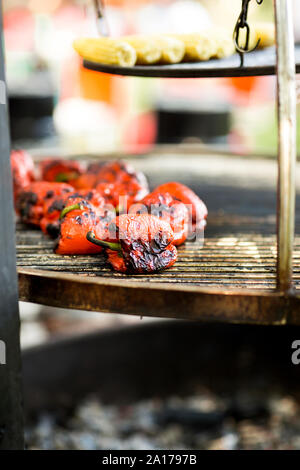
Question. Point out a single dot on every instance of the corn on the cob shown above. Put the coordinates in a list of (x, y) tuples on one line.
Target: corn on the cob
[(106, 51), (172, 49), (223, 42), (198, 46), (154, 49), (147, 49)]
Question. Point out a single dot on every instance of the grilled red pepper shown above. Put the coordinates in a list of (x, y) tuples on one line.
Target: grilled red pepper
[(53, 207), (60, 171), (143, 244), (197, 208), (114, 180), (164, 206), (116, 171), (77, 218), (122, 195), (22, 170), (30, 201), (85, 181)]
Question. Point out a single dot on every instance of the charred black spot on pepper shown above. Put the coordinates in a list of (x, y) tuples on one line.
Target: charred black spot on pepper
[(161, 239), (49, 194), (145, 261), (57, 205), (74, 195), (155, 246), (86, 204)]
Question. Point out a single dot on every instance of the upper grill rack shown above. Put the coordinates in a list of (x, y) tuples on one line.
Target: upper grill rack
[(260, 62)]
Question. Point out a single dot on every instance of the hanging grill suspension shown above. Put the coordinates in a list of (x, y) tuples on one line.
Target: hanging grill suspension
[(241, 24), (102, 25)]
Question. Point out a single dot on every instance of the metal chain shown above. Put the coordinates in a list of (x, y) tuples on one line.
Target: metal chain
[(241, 24)]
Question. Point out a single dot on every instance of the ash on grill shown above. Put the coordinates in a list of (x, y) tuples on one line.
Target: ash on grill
[(203, 421)]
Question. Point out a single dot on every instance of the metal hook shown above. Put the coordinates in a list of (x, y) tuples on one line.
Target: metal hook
[(242, 24)]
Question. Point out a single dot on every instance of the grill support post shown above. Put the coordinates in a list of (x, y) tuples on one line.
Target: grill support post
[(286, 102), (11, 412)]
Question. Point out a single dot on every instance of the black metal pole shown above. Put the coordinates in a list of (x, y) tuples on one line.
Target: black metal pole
[(11, 413)]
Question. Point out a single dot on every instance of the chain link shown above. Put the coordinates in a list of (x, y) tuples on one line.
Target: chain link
[(241, 24)]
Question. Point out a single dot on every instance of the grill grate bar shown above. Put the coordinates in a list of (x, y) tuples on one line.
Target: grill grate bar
[(231, 261)]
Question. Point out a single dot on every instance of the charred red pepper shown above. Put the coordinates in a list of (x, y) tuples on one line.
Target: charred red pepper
[(167, 208), (115, 180), (182, 193), (77, 218), (117, 171), (30, 201), (85, 181), (22, 170), (53, 207), (122, 195), (60, 171), (143, 244)]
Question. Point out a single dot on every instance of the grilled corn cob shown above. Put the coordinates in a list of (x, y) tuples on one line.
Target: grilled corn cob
[(106, 51), (223, 42), (198, 46), (147, 49), (173, 49), (154, 49)]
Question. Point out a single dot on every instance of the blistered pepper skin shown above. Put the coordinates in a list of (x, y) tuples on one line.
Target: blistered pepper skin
[(122, 195), (75, 224), (143, 258), (117, 181), (165, 207), (184, 194), (117, 171), (53, 207), (31, 200), (144, 244), (72, 234)]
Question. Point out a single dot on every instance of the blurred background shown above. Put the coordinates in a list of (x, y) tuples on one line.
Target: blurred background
[(58, 107)]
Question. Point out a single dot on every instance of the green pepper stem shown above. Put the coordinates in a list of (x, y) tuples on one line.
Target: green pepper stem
[(90, 236), (65, 177), (68, 209)]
